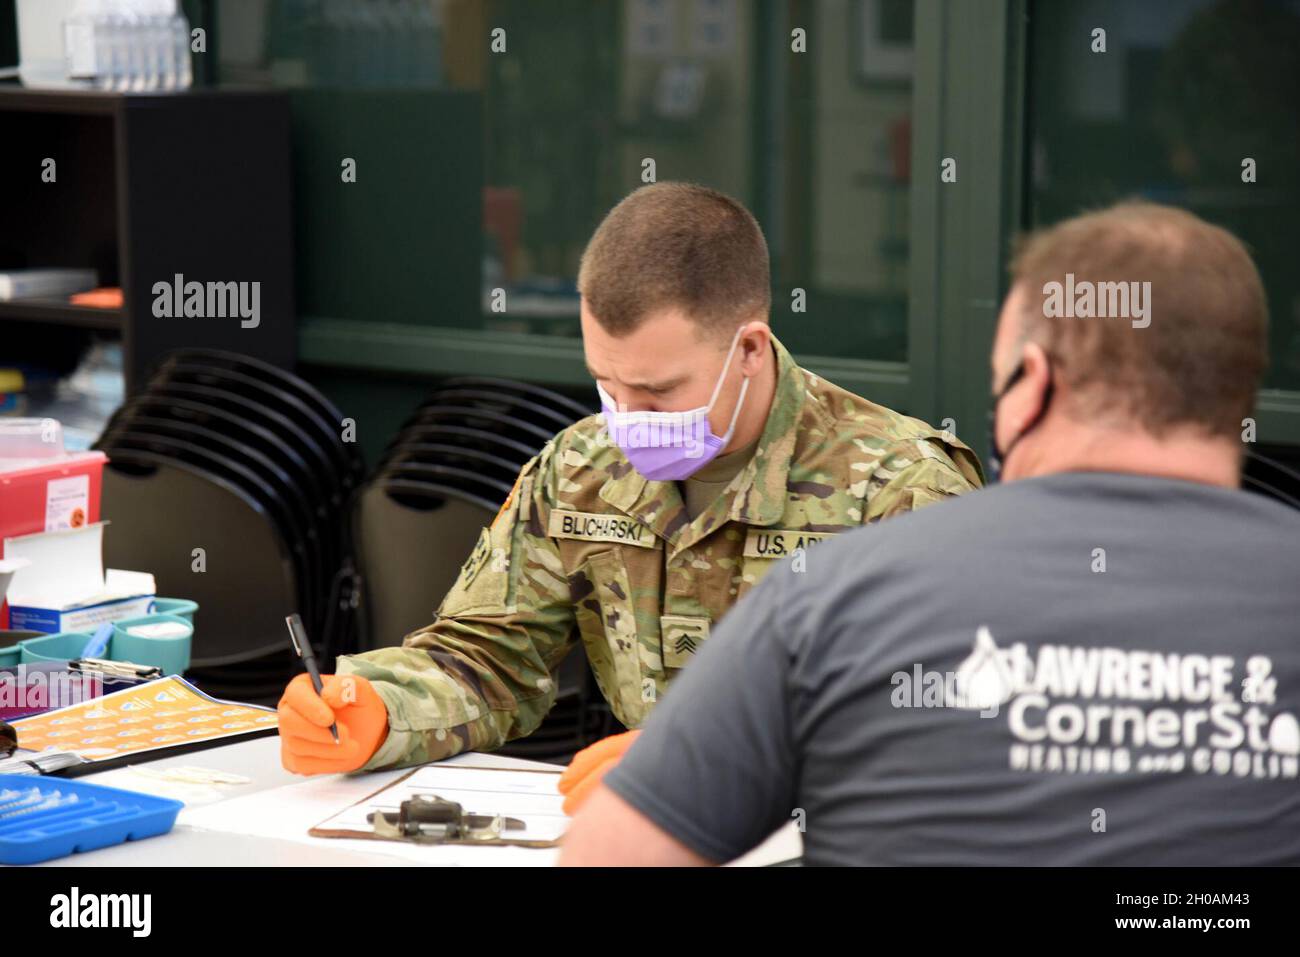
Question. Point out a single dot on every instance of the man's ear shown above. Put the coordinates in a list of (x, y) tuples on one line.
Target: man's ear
[(1035, 382), (755, 341)]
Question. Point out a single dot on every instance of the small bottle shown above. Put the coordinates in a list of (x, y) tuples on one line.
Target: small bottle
[(178, 31), (106, 54), (154, 50), (162, 47), (137, 45), (79, 47), (115, 48)]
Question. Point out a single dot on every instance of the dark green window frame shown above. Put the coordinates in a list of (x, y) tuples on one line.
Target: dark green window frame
[(968, 103)]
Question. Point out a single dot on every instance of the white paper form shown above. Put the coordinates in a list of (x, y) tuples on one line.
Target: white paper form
[(530, 796), (289, 811)]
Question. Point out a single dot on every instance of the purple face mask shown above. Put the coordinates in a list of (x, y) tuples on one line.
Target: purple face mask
[(671, 446)]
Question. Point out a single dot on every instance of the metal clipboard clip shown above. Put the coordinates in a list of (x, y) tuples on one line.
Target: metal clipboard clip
[(116, 669), (430, 819)]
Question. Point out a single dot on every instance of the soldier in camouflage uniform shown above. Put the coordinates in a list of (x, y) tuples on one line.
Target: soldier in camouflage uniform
[(587, 549)]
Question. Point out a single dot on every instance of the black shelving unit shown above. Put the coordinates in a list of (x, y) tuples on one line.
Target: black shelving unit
[(148, 186), (61, 313)]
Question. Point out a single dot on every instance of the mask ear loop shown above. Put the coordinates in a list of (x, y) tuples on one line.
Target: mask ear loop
[(735, 416), (605, 397), (1042, 408), (740, 399), (722, 377)]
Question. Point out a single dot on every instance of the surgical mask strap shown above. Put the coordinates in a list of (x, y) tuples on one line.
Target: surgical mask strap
[(735, 416), (717, 386)]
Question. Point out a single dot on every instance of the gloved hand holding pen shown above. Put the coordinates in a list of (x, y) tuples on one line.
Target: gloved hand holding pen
[(347, 701)]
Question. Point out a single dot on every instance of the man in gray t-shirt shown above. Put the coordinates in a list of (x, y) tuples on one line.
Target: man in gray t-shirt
[(1098, 663), (1145, 714)]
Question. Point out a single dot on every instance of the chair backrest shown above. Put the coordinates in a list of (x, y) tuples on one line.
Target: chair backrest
[(171, 509), (1268, 476), (411, 556)]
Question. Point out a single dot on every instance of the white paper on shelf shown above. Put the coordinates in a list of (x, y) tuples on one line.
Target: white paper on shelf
[(45, 283)]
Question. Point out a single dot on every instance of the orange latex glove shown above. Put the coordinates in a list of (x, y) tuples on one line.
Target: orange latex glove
[(589, 766), (306, 745)]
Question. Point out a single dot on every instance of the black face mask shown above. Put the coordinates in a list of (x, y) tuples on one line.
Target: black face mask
[(996, 455)]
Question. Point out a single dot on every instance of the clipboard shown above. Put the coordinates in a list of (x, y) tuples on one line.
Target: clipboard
[(465, 785)]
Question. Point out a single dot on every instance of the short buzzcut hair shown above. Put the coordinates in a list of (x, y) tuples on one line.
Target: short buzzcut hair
[(1199, 361), (676, 245)]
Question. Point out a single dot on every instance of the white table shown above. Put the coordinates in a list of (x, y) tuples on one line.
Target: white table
[(184, 846), (259, 761)]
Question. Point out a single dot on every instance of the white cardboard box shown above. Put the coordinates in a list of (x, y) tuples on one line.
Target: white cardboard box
[(63, 585)]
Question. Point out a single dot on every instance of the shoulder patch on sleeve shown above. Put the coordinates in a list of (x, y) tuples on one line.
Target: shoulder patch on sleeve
[(483, 585), (520, 492)]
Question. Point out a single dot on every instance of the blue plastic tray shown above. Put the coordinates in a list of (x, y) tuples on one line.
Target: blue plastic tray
[(86, 817)]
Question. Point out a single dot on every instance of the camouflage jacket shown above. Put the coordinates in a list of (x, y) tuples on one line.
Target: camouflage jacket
[(586, 549)]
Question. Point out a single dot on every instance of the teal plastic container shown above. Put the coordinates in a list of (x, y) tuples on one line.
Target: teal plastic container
[(171, 654), (60, 647), (180, 607), (11, 652)]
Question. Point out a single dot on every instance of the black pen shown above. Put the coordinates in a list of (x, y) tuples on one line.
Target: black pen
[(298, 635)]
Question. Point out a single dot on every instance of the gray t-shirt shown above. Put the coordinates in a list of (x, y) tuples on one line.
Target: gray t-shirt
[(1085, 668)]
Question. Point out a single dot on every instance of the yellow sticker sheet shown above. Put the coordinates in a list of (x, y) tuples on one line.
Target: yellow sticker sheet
[(157, 715)]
